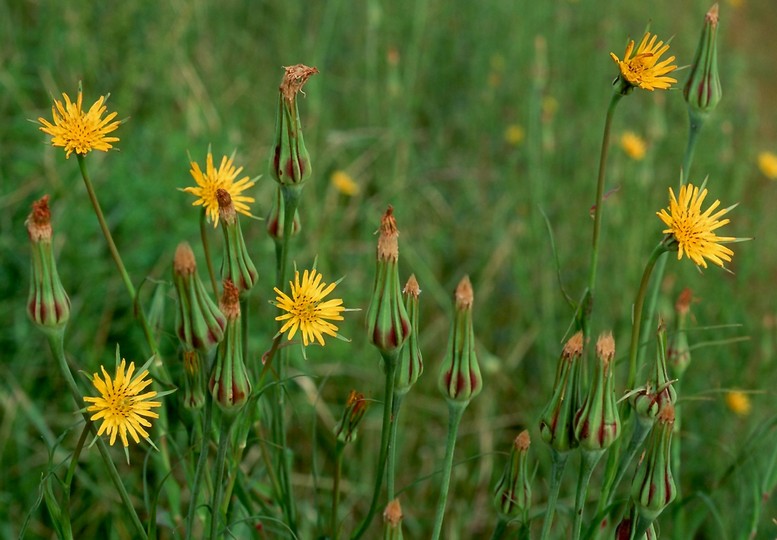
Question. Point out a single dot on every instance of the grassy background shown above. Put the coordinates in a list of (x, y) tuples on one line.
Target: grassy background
[(413, 101)]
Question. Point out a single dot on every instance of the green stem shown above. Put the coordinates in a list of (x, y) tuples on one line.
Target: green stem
[(455, 412), (201, 463), (206, 250), (390, 362), (638, 436), (58, 350), (598, 212), (557, 472), (588, 459), (64, 519), (221, 465), (392, 457), (500, 529), (696, 122), (336, 489)]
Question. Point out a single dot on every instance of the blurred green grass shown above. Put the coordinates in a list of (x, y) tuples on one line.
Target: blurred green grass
[(413, 100)]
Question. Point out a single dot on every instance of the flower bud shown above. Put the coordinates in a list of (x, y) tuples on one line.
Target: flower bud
[(355, 408), (47, 304), (237, 265), (460, 378), (277, 217), (194, 380), (290, 161), (392, 521), (597, 423), (388, 324), (229, 384), (703, 92), (557, 419), (658, 392), (678, 351), (653, 487), (411, 364), (512, 495), (199, 323)]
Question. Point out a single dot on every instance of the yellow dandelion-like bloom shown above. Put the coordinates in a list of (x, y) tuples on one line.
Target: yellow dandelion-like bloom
[(633, 145), (767, 162), (78, 131), (694, 230), (643, 69), (222, 178), (344, 183), (121, 405), (738, 402), (306, 309), (514, 134)]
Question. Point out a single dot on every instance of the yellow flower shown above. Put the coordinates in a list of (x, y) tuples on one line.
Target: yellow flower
[(222, 178), (738, 402), (306, 309), (344, 183), (514, 134), (121, 404), (633, 145), (692, 230), (642, 69), (767, 162), (78, 131)]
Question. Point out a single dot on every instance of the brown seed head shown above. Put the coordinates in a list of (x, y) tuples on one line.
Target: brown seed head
[(388, 244), (605, 348), (230, 300), (393, 513), (522, 441), (666, 415), (183, 262), (573, 347), (411, 287), (294, 79), (464, 295), (226, 208), (712, 15), (39, 221), (683, 304), (354, 397)]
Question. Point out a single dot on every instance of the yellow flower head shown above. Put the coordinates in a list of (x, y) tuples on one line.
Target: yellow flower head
[(633, 145), (692, 230), (222, 178), (78, 131), (514, 134), (306, 309), (738, 402), (121, 405), (344, 183), (643, 69), (767, 162)]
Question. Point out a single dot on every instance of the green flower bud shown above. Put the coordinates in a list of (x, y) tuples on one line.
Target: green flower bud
[(557, 419), (597, 423), (460, 378), (512, 495), (703, 92), (392, 521), (229, 384), (290, 161), (658, 392), (653, 487), (199, 323), (355, 408), (47, 304), (237, 265), (194, 380), (277, 217), (411, 364), (678, 351), (388, 324)]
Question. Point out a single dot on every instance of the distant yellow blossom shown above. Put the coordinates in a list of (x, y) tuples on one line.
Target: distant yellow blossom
[(213, 179), (78, 131), (634, 145), (767, 162), (643, 69), (736, 3), (738, 402), (514, 134), (344, 183)]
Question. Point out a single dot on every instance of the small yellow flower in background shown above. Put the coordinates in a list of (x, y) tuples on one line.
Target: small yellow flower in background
[(738, 402), (78, 131), (306, 309), (694, 230), (767, 162), (344, 183), (634, 145), (643, 69), (121, 405), (736, 3), (222, 178), (514, 134)]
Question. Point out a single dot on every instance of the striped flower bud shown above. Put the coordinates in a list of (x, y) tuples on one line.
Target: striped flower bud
[(355, 408), (47, 303), (658, 392), (199, 323), (411, 364), (229, 384), (703, 92), (460, 378), (290, 161), (678, 353), (193, 381), (388, 324), (276, 219), (512, 495), (392, 521), (597, 423), (557, 419), (237, 265)]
